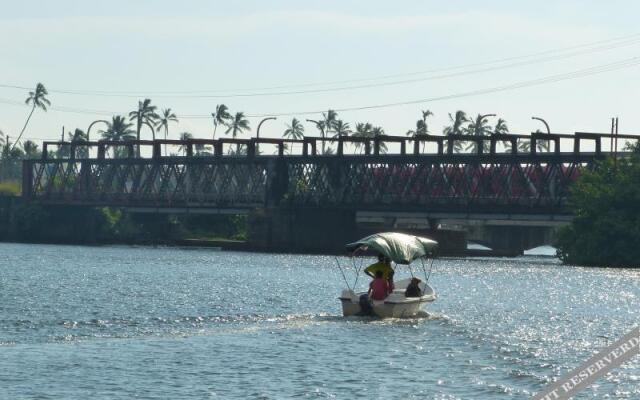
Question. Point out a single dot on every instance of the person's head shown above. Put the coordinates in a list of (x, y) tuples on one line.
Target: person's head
[(381, 257), (379, 274), (415, 281)]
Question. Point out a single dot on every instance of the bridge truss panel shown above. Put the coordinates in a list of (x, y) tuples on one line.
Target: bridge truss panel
[(458, 183)]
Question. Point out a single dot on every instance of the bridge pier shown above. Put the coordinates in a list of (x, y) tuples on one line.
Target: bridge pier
[(512, 239), (301, 230), (318, 230)]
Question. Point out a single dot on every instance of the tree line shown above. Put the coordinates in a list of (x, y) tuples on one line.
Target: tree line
[(147, 116)]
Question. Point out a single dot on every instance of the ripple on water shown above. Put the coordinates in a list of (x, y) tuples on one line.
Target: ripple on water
[(170, 323)]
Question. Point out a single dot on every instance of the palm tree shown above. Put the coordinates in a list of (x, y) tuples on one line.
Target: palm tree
[(478, 127), (501, 128), (341, 128), (118, 130), (30, 149), (421, 129), (237, 125), (377, 131), (456, 123), (163, 122), (426, 114), (320, 125), (329, 118), (79, 136), (456, 127), (363, 130), (38, 99), (220, 117), (13, 153), (421, 126), (294, 131), (144, 115), (541, 145), (184, 136)]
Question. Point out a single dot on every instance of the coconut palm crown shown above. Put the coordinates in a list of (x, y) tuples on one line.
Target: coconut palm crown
[(220, 117), (294, 131), (341, 128), (164, 119), (163, 123), (479, 127), (118, 130), (144, 115), (237, 125), (37, 99)]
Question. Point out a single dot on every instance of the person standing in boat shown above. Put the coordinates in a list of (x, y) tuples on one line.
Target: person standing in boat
[(383, 265)]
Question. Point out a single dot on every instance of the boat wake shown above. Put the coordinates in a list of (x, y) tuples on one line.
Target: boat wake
[(186, 325)]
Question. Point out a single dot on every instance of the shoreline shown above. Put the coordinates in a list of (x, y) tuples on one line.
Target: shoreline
[(244, 246)]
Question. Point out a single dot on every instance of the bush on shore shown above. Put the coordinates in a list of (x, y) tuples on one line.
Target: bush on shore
[(606, 228), (88, 225)]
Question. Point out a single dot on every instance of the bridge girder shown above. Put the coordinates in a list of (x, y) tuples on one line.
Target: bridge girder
[(504, 184)]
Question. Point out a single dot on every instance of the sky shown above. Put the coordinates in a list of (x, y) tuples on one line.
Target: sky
[(375, 61)]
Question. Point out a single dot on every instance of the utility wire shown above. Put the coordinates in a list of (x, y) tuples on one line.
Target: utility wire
[(584, 49), (625, 63)]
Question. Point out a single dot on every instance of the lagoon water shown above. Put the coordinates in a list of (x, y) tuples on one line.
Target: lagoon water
[(165, 323)]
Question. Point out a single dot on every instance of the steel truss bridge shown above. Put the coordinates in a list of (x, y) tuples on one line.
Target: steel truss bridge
[(386, 173)]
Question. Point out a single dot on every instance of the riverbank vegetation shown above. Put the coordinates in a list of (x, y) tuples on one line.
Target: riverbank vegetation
[(90, 225), (606, 228)]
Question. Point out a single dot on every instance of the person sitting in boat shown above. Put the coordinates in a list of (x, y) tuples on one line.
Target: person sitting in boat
[(379, 288), (413, 289)]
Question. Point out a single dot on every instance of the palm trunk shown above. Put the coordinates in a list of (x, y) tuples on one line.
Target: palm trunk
[(24, 127), (166, 134), (215, 128), (139, 126)]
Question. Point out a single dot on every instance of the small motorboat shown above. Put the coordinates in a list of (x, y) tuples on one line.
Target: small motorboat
[(402, 249)]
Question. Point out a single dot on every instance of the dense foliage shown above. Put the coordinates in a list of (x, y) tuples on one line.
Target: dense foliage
[(606, 230), (88, 225)]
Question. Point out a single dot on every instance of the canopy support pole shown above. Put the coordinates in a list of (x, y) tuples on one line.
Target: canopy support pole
[(343, 275), (430, 269), (356, 269)]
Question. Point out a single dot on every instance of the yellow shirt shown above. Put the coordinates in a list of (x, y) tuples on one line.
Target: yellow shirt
[(380, 266)]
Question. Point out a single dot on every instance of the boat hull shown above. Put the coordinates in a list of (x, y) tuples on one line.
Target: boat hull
[(396, 305)]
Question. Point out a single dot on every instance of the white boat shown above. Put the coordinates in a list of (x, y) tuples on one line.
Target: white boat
[(402, 249)]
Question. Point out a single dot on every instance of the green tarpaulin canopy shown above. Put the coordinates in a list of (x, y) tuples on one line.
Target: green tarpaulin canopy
[(399, 247)]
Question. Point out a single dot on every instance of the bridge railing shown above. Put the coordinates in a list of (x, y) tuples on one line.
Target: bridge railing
[(366, 146)]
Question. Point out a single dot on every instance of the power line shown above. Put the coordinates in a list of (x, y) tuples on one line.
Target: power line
[(627, 63), (586, 49), (598, 69)]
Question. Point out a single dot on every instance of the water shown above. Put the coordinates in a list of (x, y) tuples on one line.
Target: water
[(162, 323)]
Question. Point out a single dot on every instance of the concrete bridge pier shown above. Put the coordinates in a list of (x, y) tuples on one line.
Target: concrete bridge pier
[(301, 230), (512, 239), (317, 230)]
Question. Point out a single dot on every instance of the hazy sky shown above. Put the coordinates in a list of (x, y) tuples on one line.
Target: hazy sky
[(175, 51)]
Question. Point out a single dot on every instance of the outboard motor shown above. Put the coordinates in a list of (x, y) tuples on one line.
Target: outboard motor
[(365, 306)]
